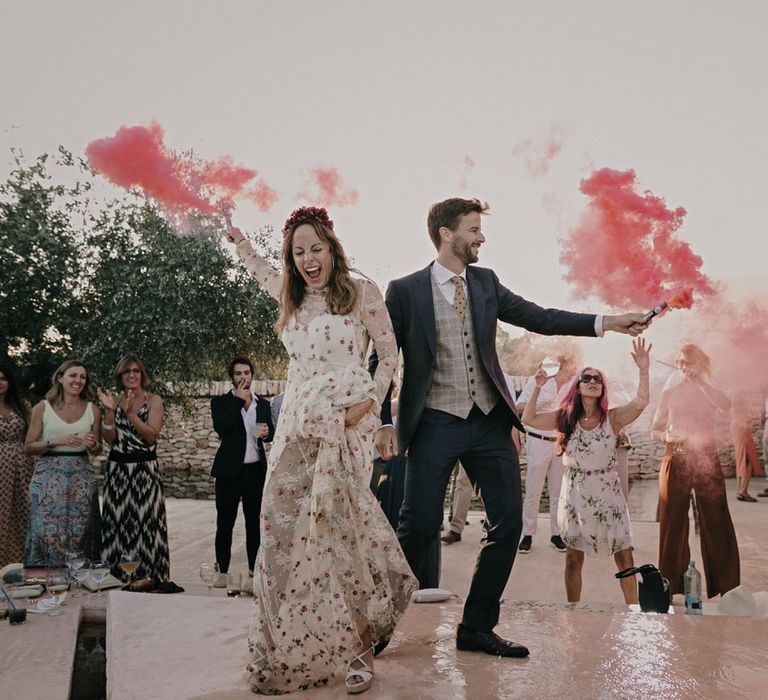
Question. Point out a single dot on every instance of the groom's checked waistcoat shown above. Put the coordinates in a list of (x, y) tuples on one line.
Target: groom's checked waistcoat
[(459, 380)]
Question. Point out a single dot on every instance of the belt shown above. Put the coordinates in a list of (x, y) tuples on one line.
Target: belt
[(588, 472), (541, 437), (80, 453), (132, 457)]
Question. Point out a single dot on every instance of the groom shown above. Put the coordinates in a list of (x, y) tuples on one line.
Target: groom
[(455, 404)]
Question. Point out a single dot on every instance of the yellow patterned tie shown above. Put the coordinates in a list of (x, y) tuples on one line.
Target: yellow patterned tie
[(459, 299)]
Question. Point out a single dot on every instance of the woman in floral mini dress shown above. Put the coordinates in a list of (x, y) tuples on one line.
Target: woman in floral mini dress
[(592, 511), (331, 580)]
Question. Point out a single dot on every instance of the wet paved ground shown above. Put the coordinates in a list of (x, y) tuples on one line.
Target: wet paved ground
[(189, 646)]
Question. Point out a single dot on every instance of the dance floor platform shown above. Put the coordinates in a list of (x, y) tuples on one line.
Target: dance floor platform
[(166, 648), (192, 646)]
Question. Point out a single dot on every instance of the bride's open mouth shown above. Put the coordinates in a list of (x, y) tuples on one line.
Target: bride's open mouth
[(313, 272)]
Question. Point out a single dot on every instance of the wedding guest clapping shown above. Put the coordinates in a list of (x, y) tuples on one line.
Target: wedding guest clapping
[(63, 496), (133, 515)]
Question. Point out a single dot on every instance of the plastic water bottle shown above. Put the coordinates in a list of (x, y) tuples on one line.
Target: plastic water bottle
[(692, 588)]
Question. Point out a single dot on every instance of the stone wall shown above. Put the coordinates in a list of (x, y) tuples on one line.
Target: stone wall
[(188, 444)]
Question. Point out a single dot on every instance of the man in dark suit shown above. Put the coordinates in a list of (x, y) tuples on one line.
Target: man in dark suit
[(243, 422), (455, 403)]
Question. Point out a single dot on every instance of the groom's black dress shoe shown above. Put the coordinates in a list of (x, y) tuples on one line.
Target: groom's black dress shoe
[(488, 642), (380, 646)]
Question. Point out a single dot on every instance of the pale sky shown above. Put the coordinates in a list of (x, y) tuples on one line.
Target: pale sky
[(395, 95)]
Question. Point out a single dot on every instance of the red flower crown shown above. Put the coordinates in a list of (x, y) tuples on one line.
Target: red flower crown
[(304, 214)]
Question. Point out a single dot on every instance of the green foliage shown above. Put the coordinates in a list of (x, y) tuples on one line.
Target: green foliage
[(126, 283), (42, 266)]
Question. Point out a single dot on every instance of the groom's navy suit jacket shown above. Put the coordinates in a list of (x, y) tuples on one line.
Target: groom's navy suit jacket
[(410, 304)]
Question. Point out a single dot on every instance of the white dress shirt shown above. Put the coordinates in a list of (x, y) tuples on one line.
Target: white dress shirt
[(251, 441)]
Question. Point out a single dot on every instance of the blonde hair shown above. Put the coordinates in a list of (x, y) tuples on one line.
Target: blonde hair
[(55, 394), (341, 293)]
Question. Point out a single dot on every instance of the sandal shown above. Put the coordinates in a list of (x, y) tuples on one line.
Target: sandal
[(745, 497), (358, 680)]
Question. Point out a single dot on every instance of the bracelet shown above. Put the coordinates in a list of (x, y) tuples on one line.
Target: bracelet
[(104, 426)]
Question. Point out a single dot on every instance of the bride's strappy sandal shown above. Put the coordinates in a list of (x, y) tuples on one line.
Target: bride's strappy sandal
[(358, 680)]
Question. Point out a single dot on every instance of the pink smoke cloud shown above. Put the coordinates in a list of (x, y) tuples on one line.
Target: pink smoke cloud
[(624, 250), (538, 152), (325, 187), (136, 156)]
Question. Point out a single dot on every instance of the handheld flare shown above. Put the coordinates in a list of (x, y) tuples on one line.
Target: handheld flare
[(681, 300)]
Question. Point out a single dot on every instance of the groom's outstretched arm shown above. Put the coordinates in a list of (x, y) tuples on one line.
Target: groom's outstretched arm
[(518, 311)]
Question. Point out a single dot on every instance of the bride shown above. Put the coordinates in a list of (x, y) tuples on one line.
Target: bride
[(331, 580)]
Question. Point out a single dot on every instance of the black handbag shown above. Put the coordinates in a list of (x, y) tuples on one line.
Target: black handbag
[(653, 589)]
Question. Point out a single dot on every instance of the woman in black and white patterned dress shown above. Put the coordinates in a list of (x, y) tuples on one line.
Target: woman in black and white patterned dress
[(133, 512)]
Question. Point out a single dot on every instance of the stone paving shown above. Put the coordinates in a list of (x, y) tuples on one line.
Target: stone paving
[(190, 646)]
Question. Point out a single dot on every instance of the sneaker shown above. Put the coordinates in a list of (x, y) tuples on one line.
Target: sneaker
[(557, 542), (221, 580), (525, 544)]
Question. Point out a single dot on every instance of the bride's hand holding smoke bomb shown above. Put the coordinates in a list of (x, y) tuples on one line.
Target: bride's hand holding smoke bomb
[(233, 234)]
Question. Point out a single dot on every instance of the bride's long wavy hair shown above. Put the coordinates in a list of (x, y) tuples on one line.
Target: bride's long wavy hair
[(571, 409), (341, 295)]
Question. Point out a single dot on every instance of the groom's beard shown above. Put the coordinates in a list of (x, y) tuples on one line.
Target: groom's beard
[(463, 251)]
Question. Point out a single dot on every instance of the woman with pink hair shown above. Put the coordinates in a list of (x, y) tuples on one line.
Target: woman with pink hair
[(592, 511)]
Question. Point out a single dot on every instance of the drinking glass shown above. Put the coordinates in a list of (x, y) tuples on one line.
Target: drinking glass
[(75, 562), (129, 562), (209, 573), (57, 582), (82, 575), (99, 571)]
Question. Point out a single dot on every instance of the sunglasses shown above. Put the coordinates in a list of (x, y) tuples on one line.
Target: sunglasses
[(587, 378)]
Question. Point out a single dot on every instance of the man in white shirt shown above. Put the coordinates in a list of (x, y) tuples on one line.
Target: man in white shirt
[(542, 461), (243, 421)]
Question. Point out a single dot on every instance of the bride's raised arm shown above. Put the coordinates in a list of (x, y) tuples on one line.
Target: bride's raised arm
[(260, 269)]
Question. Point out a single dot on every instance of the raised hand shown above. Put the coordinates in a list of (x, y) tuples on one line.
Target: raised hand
[(107, 399), (234, 234), (243, 391), (640, 353), (130, 402), (540, 377)]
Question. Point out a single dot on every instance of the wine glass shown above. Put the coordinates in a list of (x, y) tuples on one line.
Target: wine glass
[(209, 573), (82, 575), (129, 562), (57, 582), (99, 571), (75, 562)]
